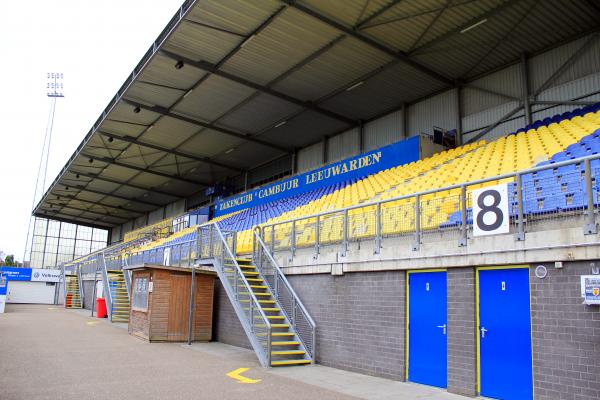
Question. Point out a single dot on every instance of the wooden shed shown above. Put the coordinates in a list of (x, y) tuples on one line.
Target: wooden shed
[(160, 303)]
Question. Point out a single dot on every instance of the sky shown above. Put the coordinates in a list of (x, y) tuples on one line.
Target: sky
[(96, 45)]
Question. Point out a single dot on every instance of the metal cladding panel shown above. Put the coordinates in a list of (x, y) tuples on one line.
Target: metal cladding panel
[(348, 12), (213, 98), (278, 167), (340, 66), (344, 145), (142, 92), (579, 89), (156, 215), (288, 39), (211, 143), (304, 129), (506, 81), (543, 66), (174, 209), (169, 133), (473, 124), (250, 154), (384, 130), (122, 128), (260, 112), (241, 16), (125, 112), (396, 84), (140, 222), (198, 42), (310, 157), (439, 111), (162, 71)]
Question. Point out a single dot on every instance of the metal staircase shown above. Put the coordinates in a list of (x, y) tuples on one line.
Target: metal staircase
[(119, 296), (72, 291), (277, 325)]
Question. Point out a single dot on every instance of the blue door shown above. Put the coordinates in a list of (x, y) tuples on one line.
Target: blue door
[(427, 326), (505, 334)]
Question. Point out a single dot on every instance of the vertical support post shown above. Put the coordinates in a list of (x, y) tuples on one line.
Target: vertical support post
[(378, 229), (245, 181), (294, 161), (95, 287), (404, 120), (525, 89), (192, 306), (459, 130), (324, 148), (590, 226), (462, 242), (417, 243), (270, 339), (317, 235), (210, 241), (520, 236), (361, 136), (272, 239), (345, 228), (293, 239)]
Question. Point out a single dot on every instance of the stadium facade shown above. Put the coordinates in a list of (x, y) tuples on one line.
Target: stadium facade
[(466, 262)]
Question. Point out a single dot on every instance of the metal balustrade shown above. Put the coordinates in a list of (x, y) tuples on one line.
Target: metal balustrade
[(290, 303), (418, 217)]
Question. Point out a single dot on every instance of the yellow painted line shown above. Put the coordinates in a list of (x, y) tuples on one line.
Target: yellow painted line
[(236, 374), (52, 308), (93, 322)]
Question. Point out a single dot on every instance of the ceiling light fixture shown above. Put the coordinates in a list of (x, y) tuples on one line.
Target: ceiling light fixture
[(282, 123), (77, 176), (136, 110), (150, 127), (179, 64), (475, 25), (188, 93), (357, 84), (245, 42), (110, 140), (229, 150), (91, 160)]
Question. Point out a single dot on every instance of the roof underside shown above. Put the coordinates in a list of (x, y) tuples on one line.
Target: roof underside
[(249, 66)]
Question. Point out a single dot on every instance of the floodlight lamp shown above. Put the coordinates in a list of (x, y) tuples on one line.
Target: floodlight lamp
[(136, 110), (179, 64), (91, 160)]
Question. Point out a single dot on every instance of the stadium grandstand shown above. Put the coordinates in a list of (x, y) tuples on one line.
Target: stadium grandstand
[(406, 189)]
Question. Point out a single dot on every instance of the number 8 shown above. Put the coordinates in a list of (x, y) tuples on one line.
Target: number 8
[(493, 208)]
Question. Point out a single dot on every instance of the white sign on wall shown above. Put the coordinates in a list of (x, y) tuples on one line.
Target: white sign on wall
[(490, 210), (45, 275)]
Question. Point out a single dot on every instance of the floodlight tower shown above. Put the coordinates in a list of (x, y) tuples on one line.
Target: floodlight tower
[(54, 90)]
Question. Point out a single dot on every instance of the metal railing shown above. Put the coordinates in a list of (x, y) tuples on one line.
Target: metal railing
[(295, 312), (426, 215), (219, 247), (105, 284)]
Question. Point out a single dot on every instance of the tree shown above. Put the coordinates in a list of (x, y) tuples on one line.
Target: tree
[(10, 261)]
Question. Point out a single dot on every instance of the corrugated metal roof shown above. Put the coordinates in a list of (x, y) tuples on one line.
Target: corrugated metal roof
[(251, 65)]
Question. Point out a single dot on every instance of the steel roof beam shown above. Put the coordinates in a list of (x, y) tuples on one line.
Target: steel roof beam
[(72, 219), (167, 112), (207, 160), (90, 211), (97, 203), (116, 196), (113, 161), (377, 13), (214, 69), (117, 182), (457, 30), (397, 54)]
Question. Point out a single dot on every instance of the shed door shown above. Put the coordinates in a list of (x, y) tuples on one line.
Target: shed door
[(30, 292), (179, 307)]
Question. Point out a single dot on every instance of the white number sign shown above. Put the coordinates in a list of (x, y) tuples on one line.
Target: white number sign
[(490, 210)]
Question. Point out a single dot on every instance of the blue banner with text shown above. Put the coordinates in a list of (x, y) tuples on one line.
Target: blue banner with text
[(357, 167)]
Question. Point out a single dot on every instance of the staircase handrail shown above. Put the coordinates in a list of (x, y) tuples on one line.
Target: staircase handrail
[(260, 247), (232, 292)]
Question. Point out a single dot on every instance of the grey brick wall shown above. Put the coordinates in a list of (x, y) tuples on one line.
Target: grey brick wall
[(360, 320), (566, 336), (462, 361), (226, 326)]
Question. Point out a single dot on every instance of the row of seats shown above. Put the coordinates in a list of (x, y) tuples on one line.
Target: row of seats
[(562, 137)]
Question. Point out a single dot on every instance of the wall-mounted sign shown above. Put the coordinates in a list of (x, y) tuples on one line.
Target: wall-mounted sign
[(590, 289), (357, 167), (490, 210), (31, 274)]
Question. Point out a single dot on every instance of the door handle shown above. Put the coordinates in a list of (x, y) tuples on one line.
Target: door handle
[(443, 328), (483, 331)]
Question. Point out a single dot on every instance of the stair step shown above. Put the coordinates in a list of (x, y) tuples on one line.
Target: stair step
[(257, 294), (250, 273), (260, 301), (254, 279), (270, 317), (290, 362), (285, 343), (287, 352)]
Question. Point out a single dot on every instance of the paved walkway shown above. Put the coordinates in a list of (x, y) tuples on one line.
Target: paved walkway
[(48, 352)]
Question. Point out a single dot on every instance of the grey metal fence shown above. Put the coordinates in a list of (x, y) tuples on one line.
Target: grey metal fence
[(557, 190)]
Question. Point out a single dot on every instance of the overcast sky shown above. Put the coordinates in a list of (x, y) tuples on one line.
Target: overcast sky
[(96, 44)]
